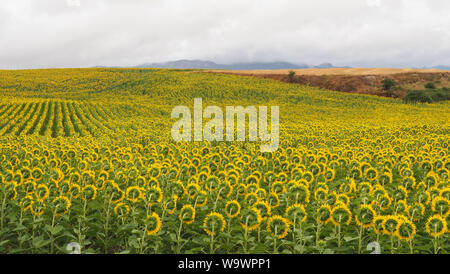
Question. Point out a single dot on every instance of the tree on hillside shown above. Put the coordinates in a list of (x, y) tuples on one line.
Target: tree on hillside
[(387, 84), (291, 76)]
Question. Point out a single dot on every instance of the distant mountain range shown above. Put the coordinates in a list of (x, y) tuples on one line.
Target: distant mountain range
[(441, 67), (206, 64), (202, 64)]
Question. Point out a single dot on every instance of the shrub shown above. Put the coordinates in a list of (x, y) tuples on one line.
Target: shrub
[(387, 84), (394, 92), (430, 85), (291, 75), (418, 96), (440, 95)]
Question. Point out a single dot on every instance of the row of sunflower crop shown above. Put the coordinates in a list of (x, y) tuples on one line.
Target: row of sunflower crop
[(54, 118), (351, 170), (297, 199)]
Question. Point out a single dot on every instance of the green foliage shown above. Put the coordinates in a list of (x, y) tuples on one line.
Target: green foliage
[(418, 96), (291, 75), (387, 84), (427, 96), (430, 85)]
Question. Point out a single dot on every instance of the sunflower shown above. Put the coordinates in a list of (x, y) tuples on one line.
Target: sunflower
[(37, 173), (42, 191), (18, 177), (121, 209), (405, 229), (378, 191), (366, 216), (201, 199), (273, 200), (62, 205), (278, 187), (187, 214), (89, 192), (445, 193), (154, 195), (171, 204), (332, 198), (212, 183), (431, 179), (423, 197), (252, 188), (232, 209), (141, 182), (364, 188), (117, 194), (82, 165), (400, 207), (297, 212), (252, 179), (400, 193), (329, 175), (385, 178), (340, 215), (434, 192), (75, 178), (436, 226), (261, 192), (378, 224), (155, 171), (153, 182), (264, 209), (37, 207), (134, 194), (10, 190), (26, 201), (192, 189), (64, 187), (441, 206), (320, 194), (278, 226), (154, 221), (384, 202), (347, 187), (308, 176), (252, 219), (324, 214), (300, 193), (344, 199), (241, 190), (214, 222), (390, 224), (416, 211), (251, 199)]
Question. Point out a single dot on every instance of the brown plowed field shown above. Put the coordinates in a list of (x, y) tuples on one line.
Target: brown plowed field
[(354, 80)]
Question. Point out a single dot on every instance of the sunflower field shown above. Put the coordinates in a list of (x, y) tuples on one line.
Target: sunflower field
[(87, 158)]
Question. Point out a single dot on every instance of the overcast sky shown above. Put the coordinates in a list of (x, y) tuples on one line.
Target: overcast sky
[(359, 33)]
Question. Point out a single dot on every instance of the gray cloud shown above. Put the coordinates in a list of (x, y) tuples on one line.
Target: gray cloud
[(83, 33)]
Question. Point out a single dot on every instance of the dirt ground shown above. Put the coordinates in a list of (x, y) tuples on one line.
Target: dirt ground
[(354, 80)]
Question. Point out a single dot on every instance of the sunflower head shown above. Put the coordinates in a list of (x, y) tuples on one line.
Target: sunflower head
[(232, 209), (187, 214), (213, 223), (436, 226), (250, 219), (405, 229), (153, 224), (340, 215), (278, 226), (296, 213), (365, 216)]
